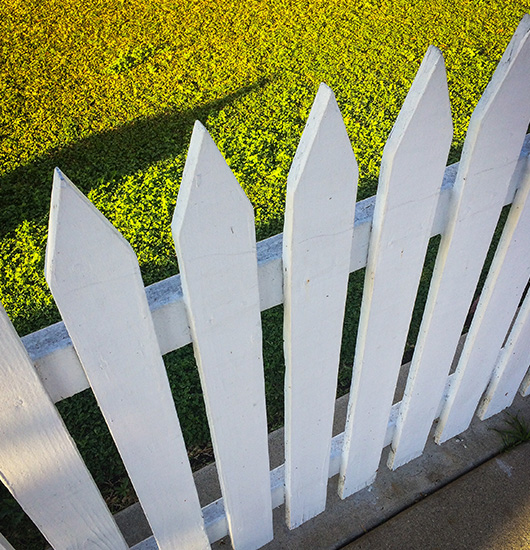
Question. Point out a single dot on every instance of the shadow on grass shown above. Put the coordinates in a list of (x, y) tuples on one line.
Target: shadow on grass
[(25, 192)]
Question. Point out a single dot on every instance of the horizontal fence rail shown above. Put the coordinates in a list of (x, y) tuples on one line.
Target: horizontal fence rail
[(214, 514), (119, 330), (51, 348)]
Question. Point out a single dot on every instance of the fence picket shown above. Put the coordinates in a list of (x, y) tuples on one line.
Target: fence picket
[(39, 462), (490, 154), (503, 126), (507, 279), (96, 282), (519, 340), (511, 366), (225, 281), (213, 230), (4, 543), (51, 349), (411, 177), (319, 216)]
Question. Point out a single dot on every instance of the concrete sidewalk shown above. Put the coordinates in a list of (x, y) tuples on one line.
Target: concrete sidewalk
[(485, 509)]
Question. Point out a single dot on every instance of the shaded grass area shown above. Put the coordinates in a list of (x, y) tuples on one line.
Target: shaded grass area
[(109, 93)]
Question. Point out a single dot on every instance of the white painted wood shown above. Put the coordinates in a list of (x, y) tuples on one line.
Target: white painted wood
[(496, 134), (213, 230), (56, 361), (513, 359), (319, 216), (411, 176), (96, 282), (4, 544), (524, 390), (500, 297), (59, 368), (511, 367), (214, 513), (39, 462), (490, 154)]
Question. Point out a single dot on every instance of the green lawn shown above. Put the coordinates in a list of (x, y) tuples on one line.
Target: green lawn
[(108, 91)]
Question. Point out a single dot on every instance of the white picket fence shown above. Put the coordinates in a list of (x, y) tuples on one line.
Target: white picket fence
[(119, 329)]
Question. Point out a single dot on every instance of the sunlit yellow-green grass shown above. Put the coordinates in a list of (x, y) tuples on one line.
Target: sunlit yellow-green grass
[(109, 90)]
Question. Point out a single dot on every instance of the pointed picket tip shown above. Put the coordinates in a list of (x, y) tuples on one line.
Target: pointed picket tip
[(82, 243), (210, 197), (516, 53), (517, 43), (205, 173), (428, 98), (324, 130)]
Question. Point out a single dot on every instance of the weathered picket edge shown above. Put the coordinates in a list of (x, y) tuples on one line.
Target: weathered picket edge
[(214, 513), (4, 544), (58, 365)]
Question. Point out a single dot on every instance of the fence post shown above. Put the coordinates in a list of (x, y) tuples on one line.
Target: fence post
[(4, 544), (507, 278)]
